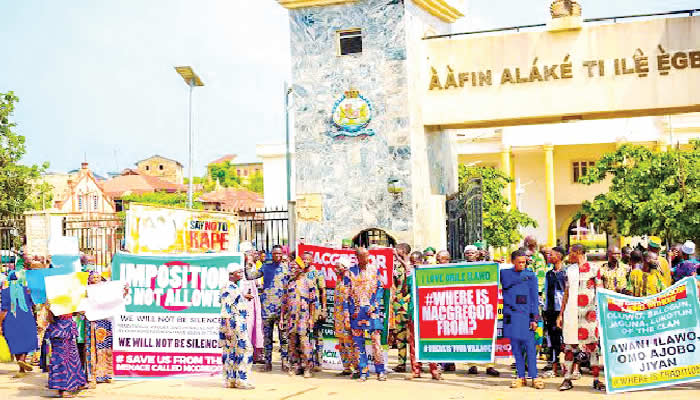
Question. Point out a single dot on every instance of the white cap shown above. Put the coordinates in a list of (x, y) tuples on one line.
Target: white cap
[(244, 247), (688, 248), (234, 267), (470, 247)]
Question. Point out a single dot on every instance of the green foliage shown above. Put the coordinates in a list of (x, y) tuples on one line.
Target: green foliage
[(651, 193), (256, 183), (196, 180), (225, 172), (501, 224), (41, 197), (16, 180), (178, 200)]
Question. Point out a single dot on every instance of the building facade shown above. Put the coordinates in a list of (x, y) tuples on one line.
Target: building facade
[(83, 194), (161, 167)]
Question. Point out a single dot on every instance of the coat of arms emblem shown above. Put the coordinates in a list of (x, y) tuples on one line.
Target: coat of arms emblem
[(351, 115)]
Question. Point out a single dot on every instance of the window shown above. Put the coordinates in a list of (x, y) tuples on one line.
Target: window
[(349, 41), (245, 172), (580, 168), (147, 167), (95, 201), (80, 202), (160, 167), (238, 172)]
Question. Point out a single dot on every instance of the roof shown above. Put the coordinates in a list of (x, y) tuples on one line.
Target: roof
[(248, 164), (137, 184), (224, 158), (158, 156), (234, 199)]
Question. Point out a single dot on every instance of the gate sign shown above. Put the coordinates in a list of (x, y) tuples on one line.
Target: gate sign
[(652, 341), (456, 309), (152, 229), (172, 318)]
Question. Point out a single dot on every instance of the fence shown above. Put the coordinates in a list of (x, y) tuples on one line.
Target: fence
[(12, 231), (264, 228), (98, 238), (464, 218)]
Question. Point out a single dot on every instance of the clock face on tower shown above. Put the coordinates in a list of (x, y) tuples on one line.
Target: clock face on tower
[(351, 114)]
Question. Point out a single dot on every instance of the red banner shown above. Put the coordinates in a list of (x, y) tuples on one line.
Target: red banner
[(457, 312), (325, 259)]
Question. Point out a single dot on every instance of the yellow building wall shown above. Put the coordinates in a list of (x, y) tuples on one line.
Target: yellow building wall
[(566, 191), (171, 171)]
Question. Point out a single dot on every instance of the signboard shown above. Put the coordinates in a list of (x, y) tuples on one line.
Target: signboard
[(616, 70), (152, 229), (652, 341), (171, 323), (456, 309), (324, 259)]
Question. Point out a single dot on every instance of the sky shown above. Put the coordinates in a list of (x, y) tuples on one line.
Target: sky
[(96, 78)]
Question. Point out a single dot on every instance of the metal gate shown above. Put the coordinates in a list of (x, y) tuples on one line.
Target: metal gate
[(464, 218), (264, 228), (98, 238), (12, 232)]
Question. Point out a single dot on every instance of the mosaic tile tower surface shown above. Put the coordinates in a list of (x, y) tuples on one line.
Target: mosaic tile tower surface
[(351, 174)]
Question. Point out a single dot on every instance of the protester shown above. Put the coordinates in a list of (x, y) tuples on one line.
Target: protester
[(398, 317), (66, 374), (249, 288), (346, 244), (98, 345), (321, 309), (364, 313), (416, 260), (237, 351), (612, 273), (538, 263), (625, 258), (275, 278), (346, 346), (554, 287), (520, 316), (636, 260), (675, 256), (664, 268), (298, 310), (689, 264), (429, 256), (17, 321), (444, 257), (578, 318), (648, 280), (471, 253)]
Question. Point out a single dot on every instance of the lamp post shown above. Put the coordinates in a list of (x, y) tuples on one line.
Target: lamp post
[(192, 80)]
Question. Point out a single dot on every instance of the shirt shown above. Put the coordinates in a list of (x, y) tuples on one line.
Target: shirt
[(539, 267), (554, 285), (275, 278), (614, 279), (365, 298), (520, 303), (645, 283), (684, 269), (299, 304)]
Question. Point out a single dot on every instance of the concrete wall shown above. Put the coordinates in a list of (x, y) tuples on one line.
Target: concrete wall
[(171, 171), (275, 174)]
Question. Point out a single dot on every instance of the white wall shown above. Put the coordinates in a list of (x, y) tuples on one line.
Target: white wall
[(275, 174)]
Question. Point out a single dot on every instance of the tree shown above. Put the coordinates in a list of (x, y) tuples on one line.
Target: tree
[(651, 193), (256, 183), (225, 172), (196, 180), (501, 224), (163, 199), (16, 180)]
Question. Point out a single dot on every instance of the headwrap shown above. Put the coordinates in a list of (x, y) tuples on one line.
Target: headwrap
[(429, 249)]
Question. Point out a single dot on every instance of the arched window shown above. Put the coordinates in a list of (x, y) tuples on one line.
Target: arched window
[(373, 236)]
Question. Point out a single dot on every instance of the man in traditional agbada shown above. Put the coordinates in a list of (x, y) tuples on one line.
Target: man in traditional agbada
[(275, 277), (321, 310), (647, 280), (364, 312), (237, 351), (612, 273), (298, 310), (346, 347), (398, 317)]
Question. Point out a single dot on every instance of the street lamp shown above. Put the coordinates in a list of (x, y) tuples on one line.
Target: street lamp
[(192, 80)]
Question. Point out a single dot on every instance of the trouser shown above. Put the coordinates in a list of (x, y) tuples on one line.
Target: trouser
[(301, 351), (527, 346), (554, 333), (401, 333), (269, 325), (416, 367), (237, 359), (348, 355), (593, 351), (358, 336), (487, 365), (317, 343)]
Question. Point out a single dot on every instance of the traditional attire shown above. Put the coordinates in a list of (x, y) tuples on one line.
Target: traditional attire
[(254, 319), (19, 326), (65, 369), (237, 351), (398, 313), (685, 269), (346, 347), (98, 346), (364, 309), (319, 281), (614, 279), (275, 278), (539, 267), (580, 317), (299, 306), (646, 283), (416, 367), (520, 308)]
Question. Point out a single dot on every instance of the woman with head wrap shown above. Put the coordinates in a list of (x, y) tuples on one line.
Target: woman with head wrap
[(17, 321)]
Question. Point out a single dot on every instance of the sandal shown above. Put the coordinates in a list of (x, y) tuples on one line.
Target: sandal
[(566, 385), (25, 366), (412, 376), (538, 383), (381, 377), (598, 385), (576, 375), (518, 383), (438, 377)]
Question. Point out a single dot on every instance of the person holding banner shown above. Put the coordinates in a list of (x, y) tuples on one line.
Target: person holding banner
[(298, 309), (416, 367), (321, 311), (398, 317), (554, 286), (237, 351), (688, 265), (520, 316), (66, 374), (346, 347), (364, 313), (578, 317), (250, 290), (17, 321), (649, 279), (275, 278)]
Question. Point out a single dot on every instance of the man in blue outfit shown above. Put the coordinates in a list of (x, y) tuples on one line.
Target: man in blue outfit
[(275, 278), (520, 316)]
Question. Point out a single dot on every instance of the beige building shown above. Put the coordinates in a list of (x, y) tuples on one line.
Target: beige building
[(161, 167), (83, 194), (245, 171)]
